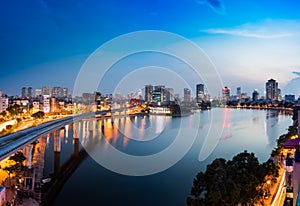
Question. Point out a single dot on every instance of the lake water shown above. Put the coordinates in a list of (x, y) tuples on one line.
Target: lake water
[(92, 184)]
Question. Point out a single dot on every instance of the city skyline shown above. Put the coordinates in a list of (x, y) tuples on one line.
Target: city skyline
[(198, 92), (249, 41)]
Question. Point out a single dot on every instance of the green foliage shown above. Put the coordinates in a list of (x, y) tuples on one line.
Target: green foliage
[(15, 110), (38, 115), (3, 114), (8, 127), (233, 182), (292, 130), (17, 165)]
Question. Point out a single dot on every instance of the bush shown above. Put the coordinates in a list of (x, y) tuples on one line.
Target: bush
[(38, 115), (8, 127)]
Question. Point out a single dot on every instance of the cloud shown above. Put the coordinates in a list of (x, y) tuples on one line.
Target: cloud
[(267, 29), (293, 86), (216, 5), (297, 73), (245, 33)]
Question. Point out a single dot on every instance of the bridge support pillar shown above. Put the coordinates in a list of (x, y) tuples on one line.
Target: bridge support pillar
[(76, 146), (57, 148), (28, 154), (67, 130), (112, 119), (102, 122), (125, 113), (91, 125), (76, 138), (84, 129)]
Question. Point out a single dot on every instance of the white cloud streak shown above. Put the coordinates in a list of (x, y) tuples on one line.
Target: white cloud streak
[(246, 33), (267, 29)]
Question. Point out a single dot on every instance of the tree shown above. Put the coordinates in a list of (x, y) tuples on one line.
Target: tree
[(198, 191), (17, 164), (292, 130), (4, 114), (233, 182), (244, 170), (220, 188), (8, 127), (15, 110), (38, 115)]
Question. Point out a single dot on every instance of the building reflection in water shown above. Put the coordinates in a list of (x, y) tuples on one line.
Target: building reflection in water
[(271, 121), (226, 124)]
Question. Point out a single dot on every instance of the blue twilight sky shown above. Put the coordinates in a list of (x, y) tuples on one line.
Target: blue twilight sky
[(45, 42)]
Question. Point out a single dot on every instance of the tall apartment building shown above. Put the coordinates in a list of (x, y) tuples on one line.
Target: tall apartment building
[(226, 93), (3, 103), (199, 92), (45, 90), (148, 93), (38, 92), (238, 92), (186, 95), (170, 95), (24, 92), (255, 95), (272, 92), (29, 92)]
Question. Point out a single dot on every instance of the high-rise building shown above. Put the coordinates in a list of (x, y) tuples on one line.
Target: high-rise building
[(200, 92), (51, 92), (57, 92), (65, 92), (29, 92), (162, 90), (46, 103), (3, 103), (272, 89), (38, 92), (255, 95), (148, 93), (24, 92), (157, 96), (1, 93), (45, 90), (238, 92), (186, 95), (226, 93), (169, 94)]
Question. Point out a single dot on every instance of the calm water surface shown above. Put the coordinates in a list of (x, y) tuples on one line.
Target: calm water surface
[(91, 184)]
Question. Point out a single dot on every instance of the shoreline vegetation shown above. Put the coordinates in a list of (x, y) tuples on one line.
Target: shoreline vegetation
[(240, 181)]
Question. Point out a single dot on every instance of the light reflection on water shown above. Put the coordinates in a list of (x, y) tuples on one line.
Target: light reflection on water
[(252, 130)]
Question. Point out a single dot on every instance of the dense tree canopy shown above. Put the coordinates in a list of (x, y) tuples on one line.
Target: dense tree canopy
[(38, 115), (15, 110), (233, 182), (17, 164)]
